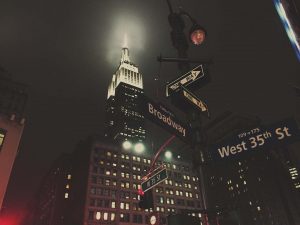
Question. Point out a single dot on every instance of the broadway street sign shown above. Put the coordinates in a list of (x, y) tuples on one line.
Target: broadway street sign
[(163, 117), (283, 132), (185, 80), (154, 180)]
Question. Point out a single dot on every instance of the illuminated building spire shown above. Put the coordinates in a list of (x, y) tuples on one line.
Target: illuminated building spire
[(127, 73), (125, 55)]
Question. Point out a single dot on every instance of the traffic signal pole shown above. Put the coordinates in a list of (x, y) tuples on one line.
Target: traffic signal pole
[(179, 42)]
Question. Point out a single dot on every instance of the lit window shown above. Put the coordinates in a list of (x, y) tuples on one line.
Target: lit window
[(122, 205), (168, 201), (258, 208), (108, 154), (161, 199), (2, 136), (66, 195), (69, 177), (67, 186), (98, 215), (113, 204), (105, 216), (112, 216)]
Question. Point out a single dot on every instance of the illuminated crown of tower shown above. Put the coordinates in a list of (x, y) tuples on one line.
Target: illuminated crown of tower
[(127, 73)]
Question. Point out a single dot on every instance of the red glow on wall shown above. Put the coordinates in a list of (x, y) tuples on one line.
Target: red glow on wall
[(12, 218)]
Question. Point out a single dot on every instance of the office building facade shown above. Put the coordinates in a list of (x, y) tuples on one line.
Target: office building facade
[(114, 177), (13, 97)]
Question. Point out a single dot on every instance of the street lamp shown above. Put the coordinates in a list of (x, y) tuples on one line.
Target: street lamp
[(139, 147), (168, 154), (127, 145)]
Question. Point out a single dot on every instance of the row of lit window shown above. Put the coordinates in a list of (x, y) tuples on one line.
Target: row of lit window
[(102, 216), (176, 192), (148, 161), (179, 184), (111, 216), (108, 172)]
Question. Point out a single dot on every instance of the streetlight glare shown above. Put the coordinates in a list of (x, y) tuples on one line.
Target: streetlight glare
[(126, 145), (168, 154), (139, 147)]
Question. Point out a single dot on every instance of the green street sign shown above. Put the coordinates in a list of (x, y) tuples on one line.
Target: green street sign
[(154, 180)]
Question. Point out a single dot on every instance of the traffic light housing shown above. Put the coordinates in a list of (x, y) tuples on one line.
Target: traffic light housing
[(146, 200)]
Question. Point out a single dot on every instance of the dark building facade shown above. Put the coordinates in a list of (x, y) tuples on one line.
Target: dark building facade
[(13, 97), (256, 189), (53, 195), (123, 119)]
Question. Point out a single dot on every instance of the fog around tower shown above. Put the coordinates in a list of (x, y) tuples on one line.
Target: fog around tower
[(126, 31)]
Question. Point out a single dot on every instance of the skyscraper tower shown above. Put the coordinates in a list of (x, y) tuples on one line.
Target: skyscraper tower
[(123, 119)]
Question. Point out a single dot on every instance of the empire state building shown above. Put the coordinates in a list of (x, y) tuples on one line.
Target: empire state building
[(123, 119)]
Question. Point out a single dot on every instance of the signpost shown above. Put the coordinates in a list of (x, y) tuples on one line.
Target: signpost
[(283, 132), (154, 180), (194, 101), (185, 80)]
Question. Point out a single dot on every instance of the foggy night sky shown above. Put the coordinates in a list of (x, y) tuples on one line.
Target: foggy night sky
[(67, 52)]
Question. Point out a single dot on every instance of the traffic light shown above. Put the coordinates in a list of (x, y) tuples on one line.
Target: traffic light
[(146, 199)]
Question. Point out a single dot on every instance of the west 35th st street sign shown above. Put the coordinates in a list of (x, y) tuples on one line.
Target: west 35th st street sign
[(283, 132)]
